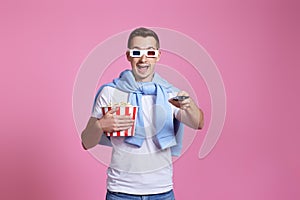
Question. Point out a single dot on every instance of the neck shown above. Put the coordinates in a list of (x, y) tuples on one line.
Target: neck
[(148, 79)]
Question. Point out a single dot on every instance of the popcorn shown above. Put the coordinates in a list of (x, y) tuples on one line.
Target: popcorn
[(118, 104), (124, 109)]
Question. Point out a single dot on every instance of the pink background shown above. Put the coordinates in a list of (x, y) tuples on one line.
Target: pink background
[(255, 45)]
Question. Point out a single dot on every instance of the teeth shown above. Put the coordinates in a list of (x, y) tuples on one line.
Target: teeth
[(142, 66)]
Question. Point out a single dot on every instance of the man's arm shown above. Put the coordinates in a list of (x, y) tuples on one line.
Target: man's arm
[(189, 112), (92, 134)]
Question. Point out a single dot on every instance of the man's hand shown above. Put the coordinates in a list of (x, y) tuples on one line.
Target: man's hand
[(111, 123), (108, 123), (189, 112), (183, 104)]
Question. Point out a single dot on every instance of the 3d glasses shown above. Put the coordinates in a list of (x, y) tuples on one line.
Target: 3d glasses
[(137, 53)]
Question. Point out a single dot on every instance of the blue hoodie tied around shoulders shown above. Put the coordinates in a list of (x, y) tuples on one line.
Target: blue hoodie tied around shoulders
[(169, 131)]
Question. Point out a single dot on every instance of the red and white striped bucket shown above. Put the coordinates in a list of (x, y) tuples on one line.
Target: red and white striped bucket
[(123, 110)]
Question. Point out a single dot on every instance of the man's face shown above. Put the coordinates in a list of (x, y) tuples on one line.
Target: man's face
[(143, 67)]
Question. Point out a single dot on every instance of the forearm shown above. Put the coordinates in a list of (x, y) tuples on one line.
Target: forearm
[(91, 135)]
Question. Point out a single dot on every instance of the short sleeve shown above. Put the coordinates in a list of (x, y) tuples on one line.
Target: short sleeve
[(102, 100)]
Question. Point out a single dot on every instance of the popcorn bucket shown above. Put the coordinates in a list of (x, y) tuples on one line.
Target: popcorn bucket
[(123, 110)]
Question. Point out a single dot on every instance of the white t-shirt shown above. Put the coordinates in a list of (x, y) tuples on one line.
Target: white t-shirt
[(133, 170)]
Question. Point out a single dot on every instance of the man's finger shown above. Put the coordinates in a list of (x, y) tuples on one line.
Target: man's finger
[(124, 119), (113, 110), (175, 103)]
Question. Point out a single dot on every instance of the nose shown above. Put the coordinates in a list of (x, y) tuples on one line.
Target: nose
[(143, 58)]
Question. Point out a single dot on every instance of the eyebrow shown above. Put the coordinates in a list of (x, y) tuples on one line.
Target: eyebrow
[(135, 47)]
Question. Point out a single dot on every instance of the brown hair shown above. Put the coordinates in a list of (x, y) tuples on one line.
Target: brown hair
[(143, 32)]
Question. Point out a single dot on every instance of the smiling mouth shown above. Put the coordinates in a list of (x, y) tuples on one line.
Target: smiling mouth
[(143, 68)]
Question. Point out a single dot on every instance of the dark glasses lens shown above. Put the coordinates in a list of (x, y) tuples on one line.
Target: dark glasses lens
[(136, 53), (151, 53)]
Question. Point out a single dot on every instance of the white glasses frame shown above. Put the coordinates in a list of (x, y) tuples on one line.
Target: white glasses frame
[(149, 53)]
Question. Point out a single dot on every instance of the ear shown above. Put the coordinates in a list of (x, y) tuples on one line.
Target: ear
[(128, 56), (158, 57)]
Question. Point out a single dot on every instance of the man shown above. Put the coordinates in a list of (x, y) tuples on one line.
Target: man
[(141, 165)]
